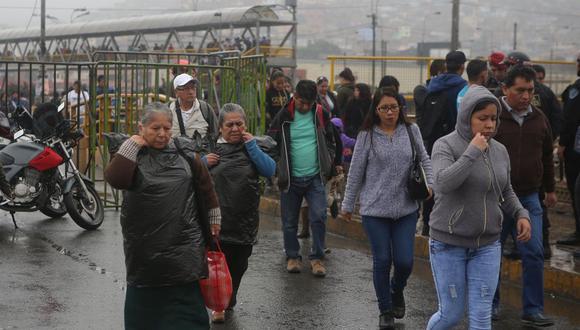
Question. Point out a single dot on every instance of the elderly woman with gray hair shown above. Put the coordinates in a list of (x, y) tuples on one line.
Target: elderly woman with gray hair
[(169, 212), (241, 162)]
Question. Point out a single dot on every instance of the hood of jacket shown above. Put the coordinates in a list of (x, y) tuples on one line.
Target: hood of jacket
[(445, 81), (474, 96)]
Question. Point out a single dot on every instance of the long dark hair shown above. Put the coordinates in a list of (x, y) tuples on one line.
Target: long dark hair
[(372, 118)]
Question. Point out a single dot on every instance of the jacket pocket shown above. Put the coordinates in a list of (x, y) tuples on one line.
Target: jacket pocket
[(453, 219)]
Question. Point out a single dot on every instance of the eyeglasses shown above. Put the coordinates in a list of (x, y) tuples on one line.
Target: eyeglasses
[(231, 124), (386, 108)]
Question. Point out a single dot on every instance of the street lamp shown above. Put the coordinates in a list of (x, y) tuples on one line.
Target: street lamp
[(425, 23), (82, 11)]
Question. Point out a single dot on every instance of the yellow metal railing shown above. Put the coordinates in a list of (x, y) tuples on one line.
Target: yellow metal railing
[(412, 71)]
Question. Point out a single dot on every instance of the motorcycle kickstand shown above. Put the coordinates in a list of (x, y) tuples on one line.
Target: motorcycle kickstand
[(13, 219)]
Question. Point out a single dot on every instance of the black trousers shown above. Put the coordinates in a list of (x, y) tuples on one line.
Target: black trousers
[(237, 258), (572, 172)]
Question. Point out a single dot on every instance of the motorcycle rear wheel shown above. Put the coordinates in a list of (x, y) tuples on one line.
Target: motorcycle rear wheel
[(55, 206), (85, 211)]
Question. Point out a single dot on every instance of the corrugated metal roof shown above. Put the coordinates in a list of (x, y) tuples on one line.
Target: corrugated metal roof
[(191, 20)]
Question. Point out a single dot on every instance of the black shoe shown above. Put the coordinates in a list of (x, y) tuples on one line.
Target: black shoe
[(495, 313), (303, 234), (571, 240), (398, 304), (386, 320), (537, 320)]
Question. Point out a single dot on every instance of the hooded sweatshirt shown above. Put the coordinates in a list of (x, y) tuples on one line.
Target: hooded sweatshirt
[(472, 187)]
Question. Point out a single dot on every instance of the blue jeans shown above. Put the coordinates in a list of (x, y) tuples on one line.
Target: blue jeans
[(392, 242), (312, 189), (532, 253), (461, 273)]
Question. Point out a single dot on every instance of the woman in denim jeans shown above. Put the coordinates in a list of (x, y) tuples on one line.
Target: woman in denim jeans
[(379, 169), (472, 188)]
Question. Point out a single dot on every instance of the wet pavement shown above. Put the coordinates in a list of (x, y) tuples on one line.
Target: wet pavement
[(55, 275)]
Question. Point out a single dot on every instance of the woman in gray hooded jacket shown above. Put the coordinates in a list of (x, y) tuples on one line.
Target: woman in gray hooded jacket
[(472, 188)]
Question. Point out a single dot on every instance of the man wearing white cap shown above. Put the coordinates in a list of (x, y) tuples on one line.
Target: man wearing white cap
[(191, 115)]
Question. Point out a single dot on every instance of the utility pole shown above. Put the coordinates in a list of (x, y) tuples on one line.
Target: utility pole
[(515, 35), (374, 24), (42, 30), (455, 26)]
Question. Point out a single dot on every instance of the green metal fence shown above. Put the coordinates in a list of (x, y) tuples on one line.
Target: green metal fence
[(117, 93)]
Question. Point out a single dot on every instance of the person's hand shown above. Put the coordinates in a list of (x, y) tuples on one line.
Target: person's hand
[(479, 141), (247, 136), (139, 140), (430, 194), (561, 150), (212, 159), (215, 230), (347, 216), (551, 199), (524, 230)]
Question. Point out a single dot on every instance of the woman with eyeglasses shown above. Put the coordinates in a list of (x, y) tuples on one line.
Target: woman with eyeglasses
[(241, 162), (326, 98), (379, 169)]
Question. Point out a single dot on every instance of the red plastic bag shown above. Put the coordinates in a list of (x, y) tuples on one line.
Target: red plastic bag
[(217, 288)]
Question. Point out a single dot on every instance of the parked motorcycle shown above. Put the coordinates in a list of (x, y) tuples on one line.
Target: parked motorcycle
[(38, 173)]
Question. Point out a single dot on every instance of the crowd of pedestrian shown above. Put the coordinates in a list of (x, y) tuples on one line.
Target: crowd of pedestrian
[(191, 176)]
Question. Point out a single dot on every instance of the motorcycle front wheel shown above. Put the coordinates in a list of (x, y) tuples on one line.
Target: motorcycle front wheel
[(54, 206), (85, 210)]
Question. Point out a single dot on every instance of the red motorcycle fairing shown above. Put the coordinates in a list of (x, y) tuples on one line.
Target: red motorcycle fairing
[(46, 160)]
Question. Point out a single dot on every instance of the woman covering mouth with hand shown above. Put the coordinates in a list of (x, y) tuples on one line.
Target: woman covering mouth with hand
[(472, 188)]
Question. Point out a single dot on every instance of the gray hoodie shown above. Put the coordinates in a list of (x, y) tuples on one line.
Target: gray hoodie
[(472, 187)]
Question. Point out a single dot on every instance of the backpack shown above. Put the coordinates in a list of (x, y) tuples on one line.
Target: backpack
[(431, 118)]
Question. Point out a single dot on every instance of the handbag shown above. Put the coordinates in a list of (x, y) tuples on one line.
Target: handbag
[(216, 289), (417, 181)]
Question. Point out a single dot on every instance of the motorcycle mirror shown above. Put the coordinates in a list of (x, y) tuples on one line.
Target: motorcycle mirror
[(18, 134), (61, 107)]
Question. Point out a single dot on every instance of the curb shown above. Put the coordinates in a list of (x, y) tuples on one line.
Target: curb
[(556, 281)]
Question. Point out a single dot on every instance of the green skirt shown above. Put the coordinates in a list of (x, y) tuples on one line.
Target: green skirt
[(171, 307)]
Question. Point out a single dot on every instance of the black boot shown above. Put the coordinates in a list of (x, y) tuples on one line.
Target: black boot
[(398, 304), (386, 320)]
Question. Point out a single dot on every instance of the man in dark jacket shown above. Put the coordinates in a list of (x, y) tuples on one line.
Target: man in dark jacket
[(526, 134), (438, 114), (306, 149), (569, 148)]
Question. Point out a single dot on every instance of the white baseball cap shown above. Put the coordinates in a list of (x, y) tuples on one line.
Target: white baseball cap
[(182, 80)]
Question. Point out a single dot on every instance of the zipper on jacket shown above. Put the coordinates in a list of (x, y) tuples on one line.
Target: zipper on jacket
[(486, 161), (287, 155)]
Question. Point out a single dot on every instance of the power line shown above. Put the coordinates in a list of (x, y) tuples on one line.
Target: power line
[(31, 15)]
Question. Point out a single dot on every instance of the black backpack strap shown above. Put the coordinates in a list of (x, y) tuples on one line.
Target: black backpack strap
[(179, 120)]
